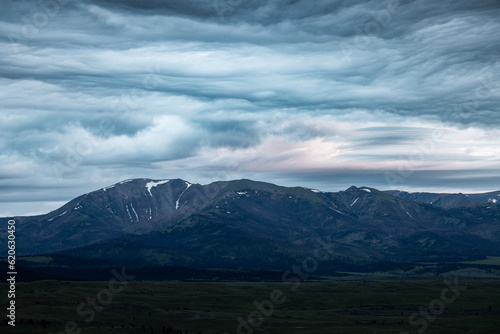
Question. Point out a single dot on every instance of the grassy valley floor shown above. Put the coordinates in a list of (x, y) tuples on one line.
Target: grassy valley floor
[(466, 306)]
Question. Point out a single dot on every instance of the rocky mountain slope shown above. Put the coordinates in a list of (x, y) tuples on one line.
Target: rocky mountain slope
[(256, 225)]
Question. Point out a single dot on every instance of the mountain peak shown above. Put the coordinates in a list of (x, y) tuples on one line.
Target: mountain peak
[(197, 222), (143, 182)]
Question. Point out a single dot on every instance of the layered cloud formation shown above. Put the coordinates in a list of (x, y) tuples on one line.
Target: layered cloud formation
[(390, 94)]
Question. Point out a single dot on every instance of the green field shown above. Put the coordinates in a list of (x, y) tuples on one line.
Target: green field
[(208, 308)]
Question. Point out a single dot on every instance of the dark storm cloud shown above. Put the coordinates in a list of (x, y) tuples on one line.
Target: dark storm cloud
[(95, 91), (390, 135), (229, 133)]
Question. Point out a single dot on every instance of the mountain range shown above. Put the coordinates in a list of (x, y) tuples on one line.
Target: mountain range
[(249, 225)]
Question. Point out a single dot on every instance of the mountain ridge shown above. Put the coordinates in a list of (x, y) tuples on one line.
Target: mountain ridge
[(255, 225), (449, 200)]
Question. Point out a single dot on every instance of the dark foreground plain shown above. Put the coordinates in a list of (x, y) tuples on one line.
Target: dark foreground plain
[(208, 308)]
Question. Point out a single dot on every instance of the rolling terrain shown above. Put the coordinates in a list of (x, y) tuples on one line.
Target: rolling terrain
[(254, 226)]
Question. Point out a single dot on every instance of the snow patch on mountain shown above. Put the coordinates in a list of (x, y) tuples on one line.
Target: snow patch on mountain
[(187, 187), (367, 190), (136, 216), (129, 214), (62, 214), (354, 201), (337, 211), (153, 184)]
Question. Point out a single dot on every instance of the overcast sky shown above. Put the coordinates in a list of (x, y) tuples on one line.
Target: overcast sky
[(324, 94)]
